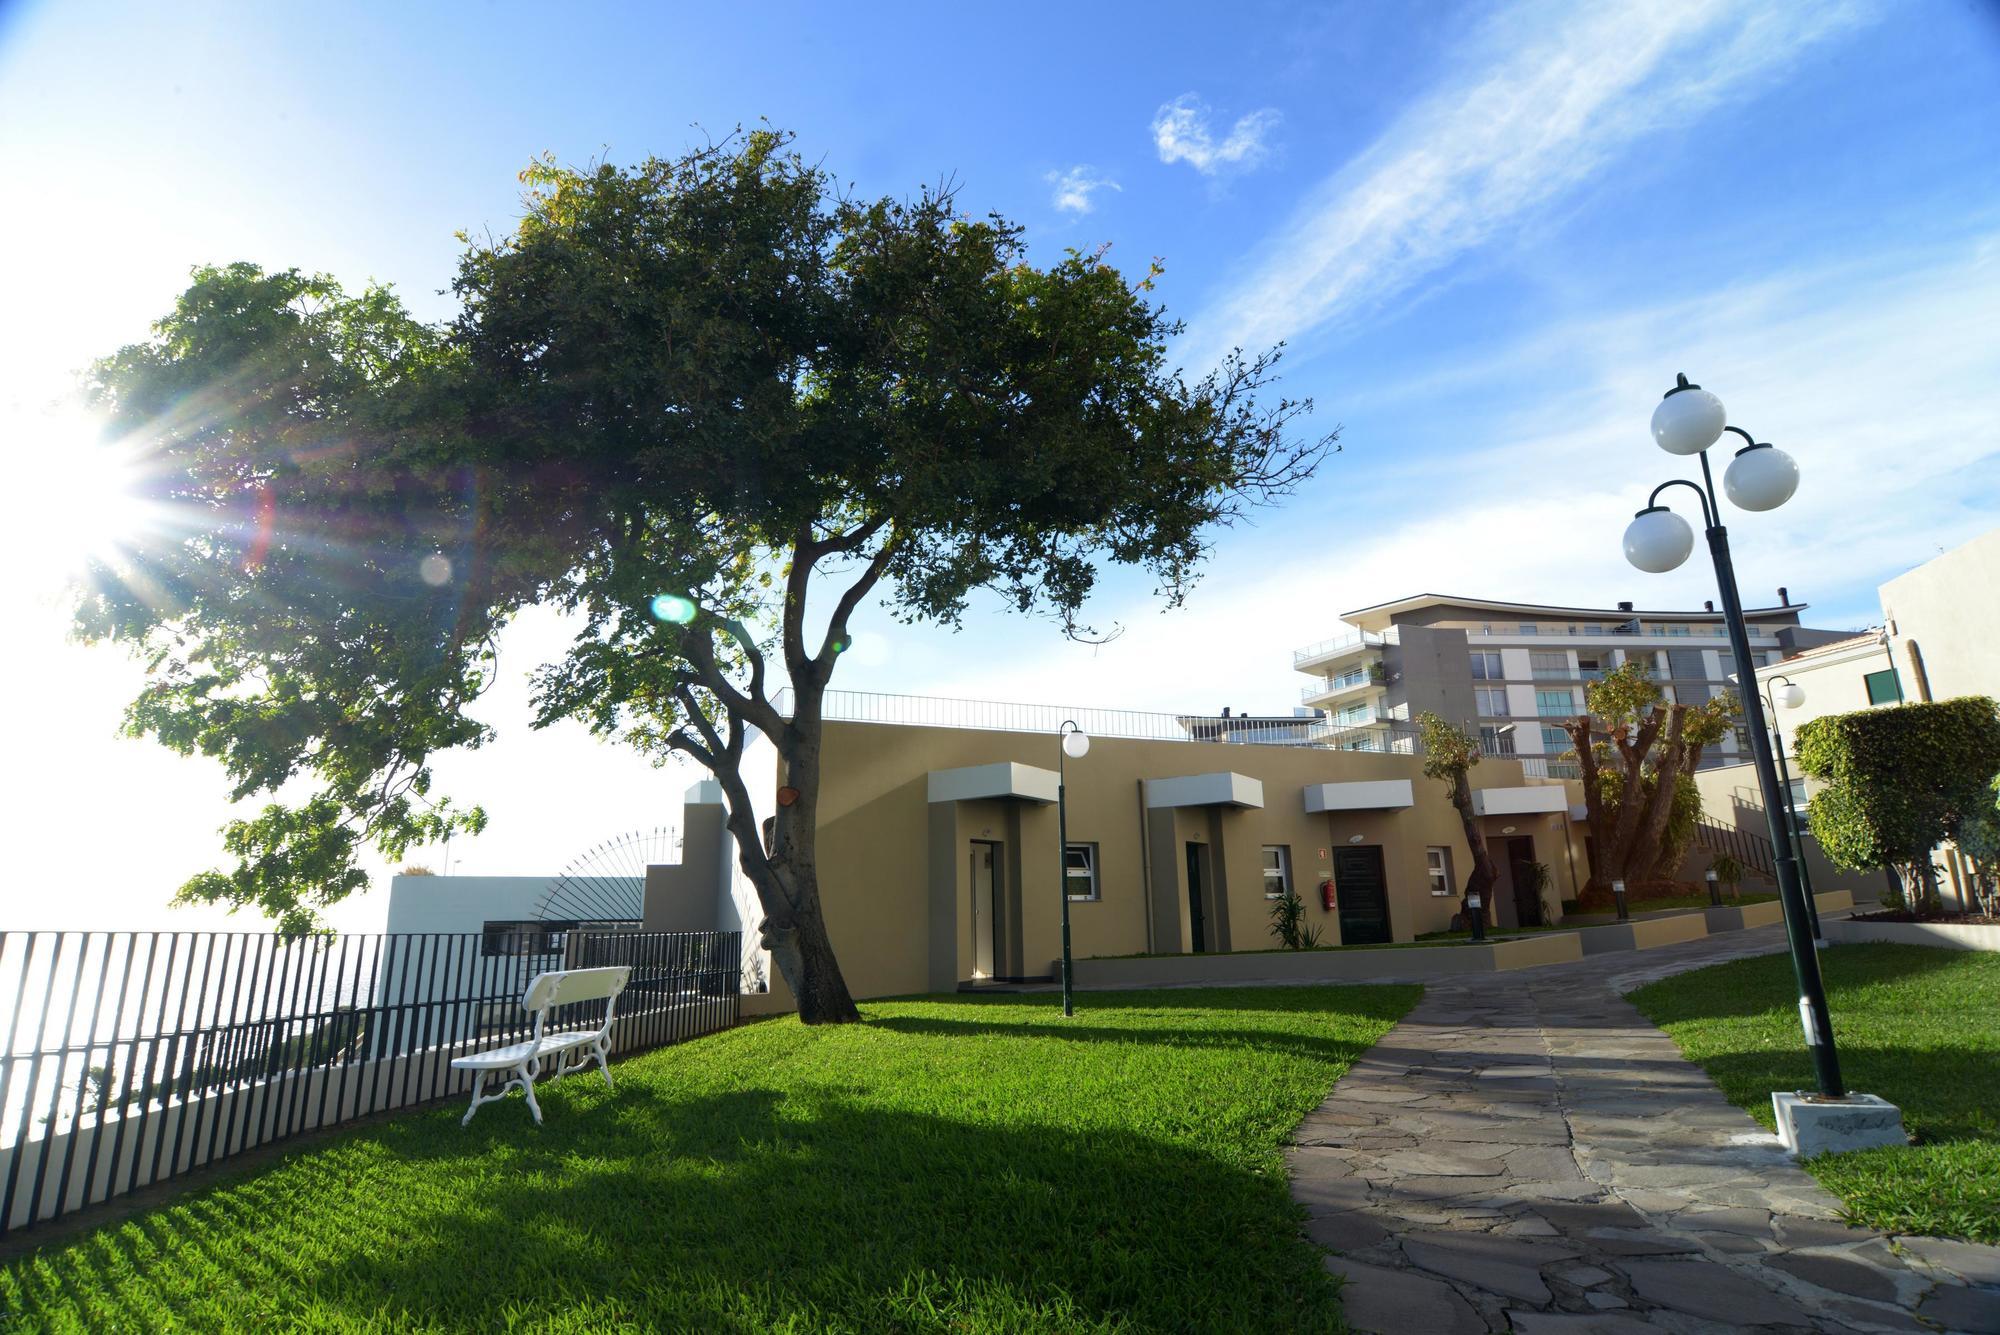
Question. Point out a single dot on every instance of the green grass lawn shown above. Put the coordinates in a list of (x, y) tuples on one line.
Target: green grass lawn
[(964, 1164), (1919, 1026)]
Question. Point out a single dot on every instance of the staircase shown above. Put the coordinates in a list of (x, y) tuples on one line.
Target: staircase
[(1752, 850)]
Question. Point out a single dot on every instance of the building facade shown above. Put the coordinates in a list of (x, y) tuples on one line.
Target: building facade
[(940, 863), (1517, 670)]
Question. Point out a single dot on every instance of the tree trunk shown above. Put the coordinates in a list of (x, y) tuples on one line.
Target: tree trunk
[(1483, 878)]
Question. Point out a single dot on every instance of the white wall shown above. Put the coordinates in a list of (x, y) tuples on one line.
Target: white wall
[(461, 903)]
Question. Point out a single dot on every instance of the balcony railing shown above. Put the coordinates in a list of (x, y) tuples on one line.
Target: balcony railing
[(1341, 644), (1335, 685), (1316, 731)]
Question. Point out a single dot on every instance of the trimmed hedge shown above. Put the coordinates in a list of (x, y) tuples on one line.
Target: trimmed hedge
[(1899, 780)]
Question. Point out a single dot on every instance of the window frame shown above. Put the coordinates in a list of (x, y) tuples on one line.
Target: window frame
[(1437, 865), (1482, 696), (1479, 660), (1868, 680), (1284, 870), (1070, 877)]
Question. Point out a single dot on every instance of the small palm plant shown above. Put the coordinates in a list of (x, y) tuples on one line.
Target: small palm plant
[(1730, 872), (1288, 922)]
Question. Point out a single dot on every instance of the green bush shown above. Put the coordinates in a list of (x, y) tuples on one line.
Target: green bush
[(1899, 781)]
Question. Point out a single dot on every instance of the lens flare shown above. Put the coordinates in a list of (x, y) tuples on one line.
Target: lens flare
[(674, 609)]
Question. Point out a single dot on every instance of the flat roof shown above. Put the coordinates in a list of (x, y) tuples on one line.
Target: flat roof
[(1382, 611)]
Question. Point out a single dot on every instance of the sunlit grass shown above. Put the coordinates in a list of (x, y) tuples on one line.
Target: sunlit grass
[(950, 1165), (1918, 1026)]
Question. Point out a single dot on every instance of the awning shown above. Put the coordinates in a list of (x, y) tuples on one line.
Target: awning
[(1223, 789), (1365, 795), (1002, 779)]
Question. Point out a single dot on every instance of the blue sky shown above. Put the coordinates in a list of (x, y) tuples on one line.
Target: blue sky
[(1489, 233)]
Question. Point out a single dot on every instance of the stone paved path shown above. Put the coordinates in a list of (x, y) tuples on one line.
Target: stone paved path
[(1525, 1152)]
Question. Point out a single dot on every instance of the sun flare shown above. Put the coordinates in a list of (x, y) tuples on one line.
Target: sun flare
[(70, 497)]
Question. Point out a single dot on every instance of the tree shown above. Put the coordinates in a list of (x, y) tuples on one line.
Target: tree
[(1897, 782), (1450, 752), (1636, 756), (677, 401)]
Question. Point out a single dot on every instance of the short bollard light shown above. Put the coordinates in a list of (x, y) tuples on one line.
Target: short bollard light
[(1478, 915), (1714, 889), (1618, 897)]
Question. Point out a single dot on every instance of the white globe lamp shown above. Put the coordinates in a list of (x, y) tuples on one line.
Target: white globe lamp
[(1688, 420), (1658, 540), (1760, 477), (1075, 745), (1789, 696)]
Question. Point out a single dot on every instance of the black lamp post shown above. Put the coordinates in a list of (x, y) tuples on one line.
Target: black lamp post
[(1688, 421), (1074, 742)]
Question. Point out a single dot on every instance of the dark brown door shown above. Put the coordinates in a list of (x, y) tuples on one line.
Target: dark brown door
[(1197, 931), (1527, 901), (1363, 892)]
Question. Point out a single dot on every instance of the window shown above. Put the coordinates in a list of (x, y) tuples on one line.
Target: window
[(1554, 740), (1277, 870), (1440, 869), (1547, 664), (1486, 667), (1491, 700), (1530, 628), (1798, 797), (1080, 870), (510, 937), (1883, 688), (1493, 742), (1555, 704)]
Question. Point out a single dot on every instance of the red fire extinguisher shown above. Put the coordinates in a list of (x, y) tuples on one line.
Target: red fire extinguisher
[(1326, 894)]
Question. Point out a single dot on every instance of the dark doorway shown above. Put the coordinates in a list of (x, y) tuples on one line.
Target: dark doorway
[(1363, 892), (1520, 851), (1197, 930), (986, 863)]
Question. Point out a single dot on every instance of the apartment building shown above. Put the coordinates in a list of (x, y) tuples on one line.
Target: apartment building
[(1516, 670)]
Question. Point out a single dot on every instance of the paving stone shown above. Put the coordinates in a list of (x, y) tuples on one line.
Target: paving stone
[(1434, 1163), (1583, 1276), (1865, 1316), (1346, 1230), (1435, 1253), (1325, 1195), (1638, 1242), (1591, 1214), (1802, 1231), (1576, 1323), (1711, 1291), (1956, 1307), (1605, 1301), (1383, 1301), (1976, 1263), (1837, 1273), (1750, 1222), (1544, 1164)]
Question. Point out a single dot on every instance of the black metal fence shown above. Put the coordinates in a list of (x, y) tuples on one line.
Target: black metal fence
[(1749, 848), (127, 1058)]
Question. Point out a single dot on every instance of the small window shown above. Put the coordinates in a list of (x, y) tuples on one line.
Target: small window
[(1486, 667), (1555, 704), (1798, 797), (1080, 870), (1491, 701), (1277, 870), (1554, 740), (516, 937), (1883, 688), (1439, 860), (1530, 628)]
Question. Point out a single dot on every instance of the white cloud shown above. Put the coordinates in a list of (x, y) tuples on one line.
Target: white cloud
[(1181, 133), (1544, 104), (1073, 188)]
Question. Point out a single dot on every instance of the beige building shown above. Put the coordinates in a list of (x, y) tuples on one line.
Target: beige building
[(1943, 621), (939, 856)]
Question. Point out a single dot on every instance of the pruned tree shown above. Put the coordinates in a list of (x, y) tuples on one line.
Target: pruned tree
[(1636, 756), (708, 406), (1899, 781), (1450, 752)]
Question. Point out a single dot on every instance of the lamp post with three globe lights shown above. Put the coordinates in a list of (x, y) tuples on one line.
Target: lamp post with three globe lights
[(1761, 477)]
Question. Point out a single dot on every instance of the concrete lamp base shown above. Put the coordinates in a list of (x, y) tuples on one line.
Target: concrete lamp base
[(1811, 1125)]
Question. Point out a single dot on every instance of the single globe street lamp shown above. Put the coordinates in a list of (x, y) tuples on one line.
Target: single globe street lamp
[(1075, 746), (1688, 421), (1784, 693)]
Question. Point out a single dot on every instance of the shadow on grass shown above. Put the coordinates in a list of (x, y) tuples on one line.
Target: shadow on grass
[(747, 1210), (1080, 1031)]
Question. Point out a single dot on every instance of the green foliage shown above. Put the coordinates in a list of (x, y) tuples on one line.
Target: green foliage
[(1449, 750), (1621, 696), (1979, 832), (1901, 779), (952, 1164), (1727, 869), (700, 377), (1289, 925), (1918, 1026)]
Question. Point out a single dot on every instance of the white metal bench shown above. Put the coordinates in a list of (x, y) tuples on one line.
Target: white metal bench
[(523, 1060)]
